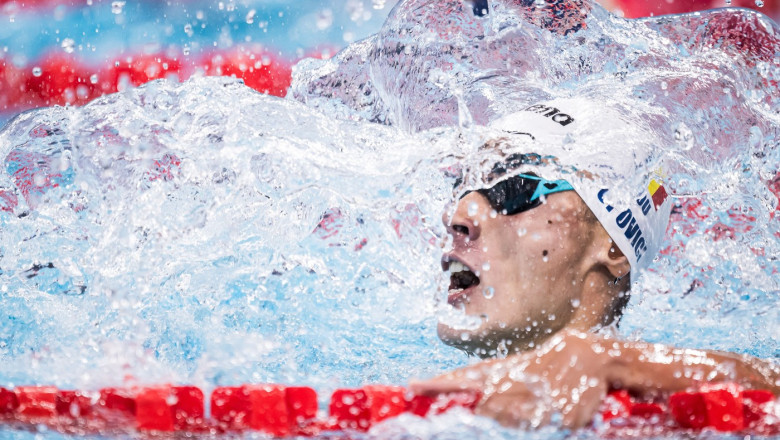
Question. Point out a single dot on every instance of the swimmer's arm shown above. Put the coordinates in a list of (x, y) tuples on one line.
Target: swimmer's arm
[(579, 368), (651, 368)]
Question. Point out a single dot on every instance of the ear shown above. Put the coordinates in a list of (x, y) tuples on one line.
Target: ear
[(615, 260), (610, 256)]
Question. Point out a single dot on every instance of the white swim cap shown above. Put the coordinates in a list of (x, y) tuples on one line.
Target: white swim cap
[(611, 158)]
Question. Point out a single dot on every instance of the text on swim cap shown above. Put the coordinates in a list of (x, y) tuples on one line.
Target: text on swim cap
[(633, 232), (628, 224), (551, 112)]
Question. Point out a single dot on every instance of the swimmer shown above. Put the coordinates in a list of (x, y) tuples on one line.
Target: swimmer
[(557, 256)]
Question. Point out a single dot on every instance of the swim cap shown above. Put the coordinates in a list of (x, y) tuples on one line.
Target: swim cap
[(611, 158)]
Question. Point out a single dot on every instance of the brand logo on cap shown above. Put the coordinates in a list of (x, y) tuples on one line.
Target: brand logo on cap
[(550, 112)]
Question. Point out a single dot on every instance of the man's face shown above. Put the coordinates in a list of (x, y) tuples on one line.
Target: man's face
[(523, 273)]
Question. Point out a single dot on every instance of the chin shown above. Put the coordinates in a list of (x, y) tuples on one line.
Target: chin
[(486, 342), (473, 342)]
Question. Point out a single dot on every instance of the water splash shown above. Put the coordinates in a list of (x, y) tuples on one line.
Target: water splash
[(715, 73), (204, 233), (166, 236)]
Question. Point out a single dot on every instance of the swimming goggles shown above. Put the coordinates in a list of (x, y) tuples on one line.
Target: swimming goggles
[(521, 192)]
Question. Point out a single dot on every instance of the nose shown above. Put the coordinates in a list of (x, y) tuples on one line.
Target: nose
[(466, 220)]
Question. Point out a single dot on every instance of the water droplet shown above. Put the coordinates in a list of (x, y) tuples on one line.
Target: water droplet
[(465, 336), (569, 141), (488, 292), (575, 302), (82, 91), (539, 3), (473, 209), (684, 136), (545, 258), (324, 19), (39, 179), (188, 29), (521, 232), (68, 45), (760, 3), (493, 213), (728, 2), (378, 4), (93, 78), (486, 267), (117, 6), (59, 12), (250, 16), (664, 85), (37, 71), (756, 136)]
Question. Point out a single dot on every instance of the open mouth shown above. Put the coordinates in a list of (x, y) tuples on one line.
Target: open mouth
[(461, 279)]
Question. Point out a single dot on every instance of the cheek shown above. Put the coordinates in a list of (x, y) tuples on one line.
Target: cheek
[(571, 243)]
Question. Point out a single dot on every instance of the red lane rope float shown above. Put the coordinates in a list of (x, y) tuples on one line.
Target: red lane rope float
[(58, 79), (647, 8), (283, 411)]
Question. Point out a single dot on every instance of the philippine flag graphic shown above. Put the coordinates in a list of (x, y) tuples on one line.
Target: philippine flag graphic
[(658, 193)]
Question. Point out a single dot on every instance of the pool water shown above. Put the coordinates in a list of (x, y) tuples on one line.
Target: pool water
[(200, 232)]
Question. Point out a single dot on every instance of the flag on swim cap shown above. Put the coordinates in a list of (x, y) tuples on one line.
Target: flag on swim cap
[(612, 159)]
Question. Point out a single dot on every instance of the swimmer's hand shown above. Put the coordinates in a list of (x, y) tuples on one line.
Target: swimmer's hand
[(565, 380), (566, 377)]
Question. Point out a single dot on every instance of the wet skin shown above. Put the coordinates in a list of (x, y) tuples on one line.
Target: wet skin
[(544, 269), (542, 311), (570, 373)]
